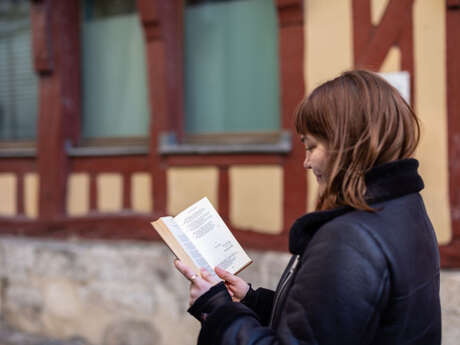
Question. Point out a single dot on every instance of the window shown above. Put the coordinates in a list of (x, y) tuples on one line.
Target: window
[(114, 71), (231, 67), (18, 81)]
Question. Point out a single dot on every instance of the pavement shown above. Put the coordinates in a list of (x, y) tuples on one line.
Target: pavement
[(11, 336)]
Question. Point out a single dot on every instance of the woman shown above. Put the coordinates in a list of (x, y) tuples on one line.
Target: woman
[(365, 265)]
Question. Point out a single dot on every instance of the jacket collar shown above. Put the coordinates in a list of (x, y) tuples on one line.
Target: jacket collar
[(384, 182)]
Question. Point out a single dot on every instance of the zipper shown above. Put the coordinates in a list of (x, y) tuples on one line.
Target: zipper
[(282, 287)]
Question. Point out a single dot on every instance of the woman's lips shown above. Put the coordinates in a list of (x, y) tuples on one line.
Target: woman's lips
[(318, 176)]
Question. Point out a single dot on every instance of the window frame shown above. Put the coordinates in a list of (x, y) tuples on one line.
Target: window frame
[(173, 139)]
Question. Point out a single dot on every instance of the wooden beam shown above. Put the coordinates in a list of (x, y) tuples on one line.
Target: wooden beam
[(127, 203), (22, 165), (171, 21), (42, 36), (223, 160), (386, 34), (291, 59), (114, 227), (59, 98), (224, 194), (450, 254), (362, 27), (290, 12), (366, 36), (453, 4), (156, 69), (20, 193), (110, 164), (93, 195)]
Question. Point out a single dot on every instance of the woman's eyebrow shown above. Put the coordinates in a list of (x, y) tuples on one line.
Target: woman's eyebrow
[(302, 139)]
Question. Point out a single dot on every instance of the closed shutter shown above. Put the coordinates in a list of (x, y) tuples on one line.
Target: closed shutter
[(231, 67), (115, 103)]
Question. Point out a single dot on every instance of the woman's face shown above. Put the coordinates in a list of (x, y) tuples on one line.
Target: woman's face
[(316, 158)]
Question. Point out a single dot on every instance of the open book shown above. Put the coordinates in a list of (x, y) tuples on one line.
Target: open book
[(199, 238)]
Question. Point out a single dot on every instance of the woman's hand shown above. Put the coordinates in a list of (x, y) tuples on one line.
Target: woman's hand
[(199, 284), (236, 286)]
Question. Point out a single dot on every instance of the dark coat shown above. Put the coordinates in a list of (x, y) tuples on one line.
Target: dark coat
[(356, 277)]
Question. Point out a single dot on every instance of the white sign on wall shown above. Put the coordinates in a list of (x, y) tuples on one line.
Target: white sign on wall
[(400, 81)]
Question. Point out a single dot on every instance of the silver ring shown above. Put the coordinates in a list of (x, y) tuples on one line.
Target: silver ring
[(193, 277)]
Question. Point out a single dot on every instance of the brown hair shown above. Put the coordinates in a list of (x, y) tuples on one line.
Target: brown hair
[(364, 122)]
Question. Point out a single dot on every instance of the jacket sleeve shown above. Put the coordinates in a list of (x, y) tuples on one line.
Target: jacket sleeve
[(261, 302), (336, 298)]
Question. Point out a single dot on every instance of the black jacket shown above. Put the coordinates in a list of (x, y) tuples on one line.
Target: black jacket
[(355, 278)]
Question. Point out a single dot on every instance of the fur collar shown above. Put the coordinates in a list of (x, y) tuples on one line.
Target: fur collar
[(384, 182)]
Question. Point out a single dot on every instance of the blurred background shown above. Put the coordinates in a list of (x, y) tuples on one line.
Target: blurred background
[(116, 112)]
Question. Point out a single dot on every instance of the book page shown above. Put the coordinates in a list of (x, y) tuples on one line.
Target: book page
[(187, 245), (206, 229)]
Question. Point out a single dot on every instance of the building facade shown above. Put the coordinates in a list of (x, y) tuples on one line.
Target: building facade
[(115, 113)]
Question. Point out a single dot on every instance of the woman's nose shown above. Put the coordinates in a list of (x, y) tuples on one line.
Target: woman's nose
[(306, 162)]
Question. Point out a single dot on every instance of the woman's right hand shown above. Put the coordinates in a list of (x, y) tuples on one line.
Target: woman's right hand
[(236, 286)]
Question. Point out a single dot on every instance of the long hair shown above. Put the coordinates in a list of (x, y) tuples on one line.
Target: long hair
[(365, 122)]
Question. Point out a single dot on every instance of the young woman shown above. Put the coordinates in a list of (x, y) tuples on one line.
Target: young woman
[(365, 265)]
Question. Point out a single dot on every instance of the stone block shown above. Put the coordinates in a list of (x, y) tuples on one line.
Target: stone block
[(23, 306), (132, 332), (450, 303), (114, 297), (61, 298), (19, 258), (56, 261), (64, 289), (450, 292)]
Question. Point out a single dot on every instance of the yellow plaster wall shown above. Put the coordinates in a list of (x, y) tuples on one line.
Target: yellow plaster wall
[(78, 194), (109, 192), (328, 52), (377, 10), (187, 185), (31, 188), (8, 195), (256, 198), (141, 192), (430, 105), (392, 62)]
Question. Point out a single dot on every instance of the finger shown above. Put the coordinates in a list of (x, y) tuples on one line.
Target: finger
[(229, 289), (207, 276), (185, 270), (225, 275)]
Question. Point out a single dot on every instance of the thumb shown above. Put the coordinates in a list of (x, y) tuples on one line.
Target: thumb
[(225, 275)]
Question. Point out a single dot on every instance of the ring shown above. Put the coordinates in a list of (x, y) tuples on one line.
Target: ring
[(192, 278)]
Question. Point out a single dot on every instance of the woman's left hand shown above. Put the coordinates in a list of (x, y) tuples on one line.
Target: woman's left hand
[(199, 284)]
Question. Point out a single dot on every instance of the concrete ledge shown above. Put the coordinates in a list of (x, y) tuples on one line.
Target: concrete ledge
[(169, 146)]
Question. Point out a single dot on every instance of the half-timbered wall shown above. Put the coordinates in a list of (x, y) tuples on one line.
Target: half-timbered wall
[(61, 189)]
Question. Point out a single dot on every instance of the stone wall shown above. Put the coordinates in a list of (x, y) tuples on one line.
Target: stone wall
[(113, 293)]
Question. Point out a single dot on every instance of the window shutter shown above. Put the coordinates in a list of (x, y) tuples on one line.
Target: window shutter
[(18, 81)]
